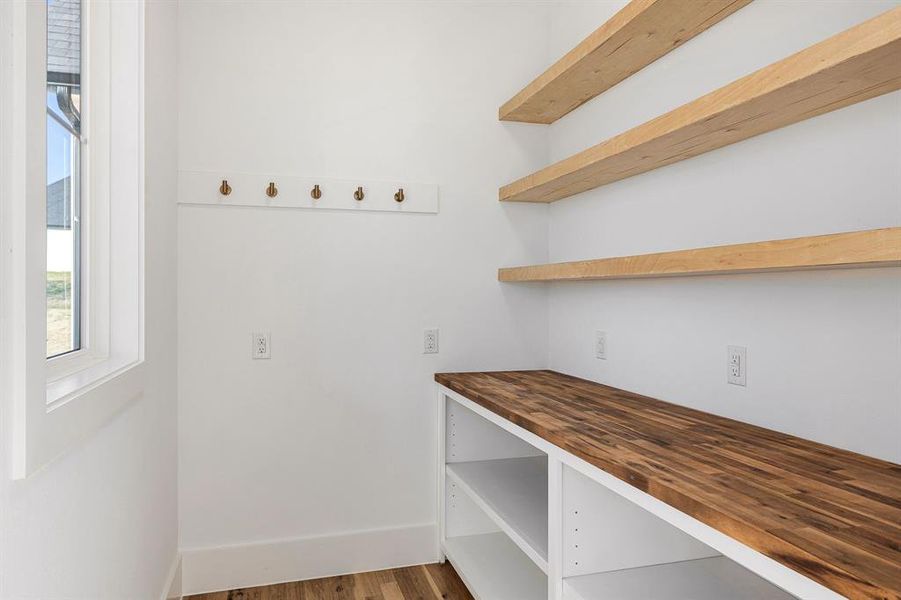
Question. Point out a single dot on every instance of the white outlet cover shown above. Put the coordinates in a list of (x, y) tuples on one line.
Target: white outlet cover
[(600, 345), (260, 348), (737, 365), (430, 341)]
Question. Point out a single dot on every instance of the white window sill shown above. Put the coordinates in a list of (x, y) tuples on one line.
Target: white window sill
[(83, 381)]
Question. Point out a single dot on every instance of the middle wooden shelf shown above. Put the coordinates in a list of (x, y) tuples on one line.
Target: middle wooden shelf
[(860, 63), (856, 249)]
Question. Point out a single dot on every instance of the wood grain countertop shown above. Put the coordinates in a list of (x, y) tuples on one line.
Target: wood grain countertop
[(830, 514)]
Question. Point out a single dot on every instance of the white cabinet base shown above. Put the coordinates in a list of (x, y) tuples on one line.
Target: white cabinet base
[(522, 519)]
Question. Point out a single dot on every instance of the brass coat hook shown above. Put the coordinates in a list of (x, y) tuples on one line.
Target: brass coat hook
[(271, 190), (399, 195), (359, 195), (316, 193), (225, 189)]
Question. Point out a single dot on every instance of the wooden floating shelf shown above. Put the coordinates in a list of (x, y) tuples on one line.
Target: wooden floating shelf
[(860, 63), (636, 36), (873, 248)]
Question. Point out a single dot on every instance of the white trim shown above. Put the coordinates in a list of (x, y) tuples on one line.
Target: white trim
[(764, 566), (554, 529), (221, 568), (172, 585), (24, 256), (439, 472)]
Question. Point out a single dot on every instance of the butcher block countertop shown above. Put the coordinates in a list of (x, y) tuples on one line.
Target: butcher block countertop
[(830, 514)]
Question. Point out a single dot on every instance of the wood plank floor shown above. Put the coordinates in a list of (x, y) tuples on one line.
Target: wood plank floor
[(423, 582)]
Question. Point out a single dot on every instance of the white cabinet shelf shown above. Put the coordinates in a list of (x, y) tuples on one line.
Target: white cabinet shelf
[(702, 579), (513, 493), (493, 568)]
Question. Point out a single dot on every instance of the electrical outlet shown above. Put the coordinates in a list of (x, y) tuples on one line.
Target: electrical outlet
[(259, 345), (430, 341), (737, 365), (600, 344)]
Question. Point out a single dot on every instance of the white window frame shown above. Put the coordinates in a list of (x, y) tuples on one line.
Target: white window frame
[(56, 402), (94, 196)]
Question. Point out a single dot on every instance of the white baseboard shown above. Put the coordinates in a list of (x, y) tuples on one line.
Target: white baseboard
[(172, 587), (220, 568)]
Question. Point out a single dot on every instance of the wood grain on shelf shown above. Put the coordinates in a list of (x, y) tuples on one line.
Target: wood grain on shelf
[(636, 36), (829, 514), (858, 249), (860, 63)]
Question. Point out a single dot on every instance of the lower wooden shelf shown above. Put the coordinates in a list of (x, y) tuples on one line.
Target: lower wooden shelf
[(702, 579), (857, 249), (493, 568)]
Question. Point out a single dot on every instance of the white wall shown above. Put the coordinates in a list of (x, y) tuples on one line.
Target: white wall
[(100, 522), (824, 348), (335, 434), (287, 465)]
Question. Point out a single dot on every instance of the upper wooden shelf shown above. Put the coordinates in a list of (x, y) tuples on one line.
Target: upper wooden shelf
[(872, 248), (832, 515), (636, 36), (860, 63)]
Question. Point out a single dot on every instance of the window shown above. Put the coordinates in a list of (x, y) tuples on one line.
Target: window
[(64, 149), (71, 218)]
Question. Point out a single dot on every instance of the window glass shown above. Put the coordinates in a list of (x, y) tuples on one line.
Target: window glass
[(64, 42)]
